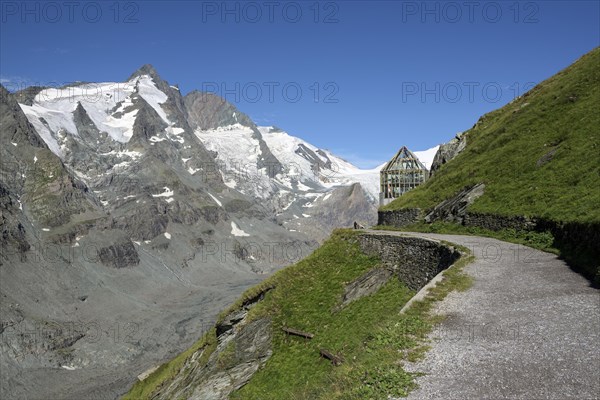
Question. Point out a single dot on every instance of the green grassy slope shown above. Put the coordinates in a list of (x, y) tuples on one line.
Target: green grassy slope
[(560, 115), (369, 333)]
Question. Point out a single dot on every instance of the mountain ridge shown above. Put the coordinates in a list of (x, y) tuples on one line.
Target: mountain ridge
[(115, 218), (119, 203), (290, 319)]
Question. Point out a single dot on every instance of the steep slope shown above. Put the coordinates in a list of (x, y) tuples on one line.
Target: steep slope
[(527, 172), (120, 239), (207, 111), (131, 215), (117, 247), (283, 172), (343, 300), (308, 177), (538, 156)]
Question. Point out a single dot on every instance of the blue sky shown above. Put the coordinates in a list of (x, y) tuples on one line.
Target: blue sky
[(358, 78)]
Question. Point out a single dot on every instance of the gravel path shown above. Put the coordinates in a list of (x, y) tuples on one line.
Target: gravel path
[(528, 328)]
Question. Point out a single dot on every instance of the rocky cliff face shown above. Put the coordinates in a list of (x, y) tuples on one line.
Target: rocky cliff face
[(121, 237), (241, 343), (448, 151)]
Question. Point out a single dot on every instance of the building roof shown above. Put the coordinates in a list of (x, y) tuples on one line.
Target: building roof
[(404, 160)]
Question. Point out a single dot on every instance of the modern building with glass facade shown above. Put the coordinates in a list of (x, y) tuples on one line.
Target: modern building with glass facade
[(402, 173)]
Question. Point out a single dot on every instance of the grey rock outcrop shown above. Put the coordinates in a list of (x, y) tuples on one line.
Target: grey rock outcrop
[(26, 95), (242, 348), (317, 163), (448, 151), (455, 208), (15, 126), (210, 111), (341, 208), (115, 249), (367, 284)]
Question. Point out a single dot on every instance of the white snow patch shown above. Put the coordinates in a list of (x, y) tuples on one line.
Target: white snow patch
[(84, 176), (13, 143), (56, 106), (46, 229), (156, 139), (328, 195), (35, 159), (121, 165), (168, 235), (297, 167), (426, 156), (138, 243), (128, 153), (288, 206), (167, 193), (69, 367), (192, 171), (238, 152), (120, 129), (185, 159), (306, 215), (216, 200), (174, 130), (153, 96), (230, 183), (236, 231), (303, 187)]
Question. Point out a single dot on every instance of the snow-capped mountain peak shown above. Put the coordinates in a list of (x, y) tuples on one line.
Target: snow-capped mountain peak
[(102, 130), (111, 106)]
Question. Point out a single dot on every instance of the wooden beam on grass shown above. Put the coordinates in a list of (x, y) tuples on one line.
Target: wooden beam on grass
[(334, 358), (296, 332)]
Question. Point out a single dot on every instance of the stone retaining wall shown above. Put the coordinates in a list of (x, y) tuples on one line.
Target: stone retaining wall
[(498, 222), (415, 260), (577, 242), (398, 218)]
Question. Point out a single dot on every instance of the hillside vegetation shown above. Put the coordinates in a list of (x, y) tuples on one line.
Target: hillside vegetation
[(539, 156), (370, 334)]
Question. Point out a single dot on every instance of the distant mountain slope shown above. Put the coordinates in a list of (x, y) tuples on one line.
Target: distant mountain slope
[(113, 131), (538, 156), (113, 218), (126, 201)]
